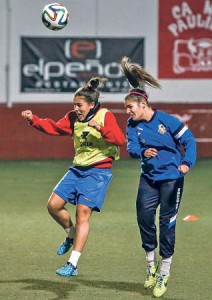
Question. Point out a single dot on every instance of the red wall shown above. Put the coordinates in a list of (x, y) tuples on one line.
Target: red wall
[(20, 141)]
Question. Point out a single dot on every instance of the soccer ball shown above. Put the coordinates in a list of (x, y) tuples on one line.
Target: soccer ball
[(55, 16)]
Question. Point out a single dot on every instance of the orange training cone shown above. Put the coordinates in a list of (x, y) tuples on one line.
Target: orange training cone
[(191, 218)]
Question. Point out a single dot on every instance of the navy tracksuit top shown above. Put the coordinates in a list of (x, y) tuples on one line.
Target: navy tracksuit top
[(165, 133)]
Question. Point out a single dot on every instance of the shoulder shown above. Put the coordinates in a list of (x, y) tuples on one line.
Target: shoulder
[(163, 114), (166, 118), (104, 112)]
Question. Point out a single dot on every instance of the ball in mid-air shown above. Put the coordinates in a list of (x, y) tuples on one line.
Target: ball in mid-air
[(55, 16)]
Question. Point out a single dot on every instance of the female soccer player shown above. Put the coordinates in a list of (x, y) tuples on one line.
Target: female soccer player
[(97, 137), (156, 138)]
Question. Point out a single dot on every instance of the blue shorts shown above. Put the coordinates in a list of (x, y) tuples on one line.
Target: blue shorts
[(86, 186)]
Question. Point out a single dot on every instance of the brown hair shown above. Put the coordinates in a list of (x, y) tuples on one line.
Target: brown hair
[(90, 91), (137, 78)]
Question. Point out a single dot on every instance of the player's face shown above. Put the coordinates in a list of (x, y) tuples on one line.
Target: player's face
[(134, 109), (81, 107)]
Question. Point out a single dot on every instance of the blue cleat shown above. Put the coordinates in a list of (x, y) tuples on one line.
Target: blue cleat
[(67, 270), (65, 246)]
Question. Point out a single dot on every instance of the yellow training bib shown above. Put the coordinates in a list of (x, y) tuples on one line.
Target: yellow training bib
[(90, 147)]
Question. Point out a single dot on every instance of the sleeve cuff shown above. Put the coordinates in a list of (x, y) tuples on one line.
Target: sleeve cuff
[(185, 163), (33, 121), (142, 153)]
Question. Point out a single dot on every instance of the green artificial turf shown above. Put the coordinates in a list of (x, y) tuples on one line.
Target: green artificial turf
[(112, 265)]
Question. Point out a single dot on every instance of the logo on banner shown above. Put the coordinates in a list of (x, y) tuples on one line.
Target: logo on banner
[(82, 49), (72, 62), (185, 32)]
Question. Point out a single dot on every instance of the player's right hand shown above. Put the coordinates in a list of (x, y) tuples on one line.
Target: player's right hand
[(150, 152), (27, 114)]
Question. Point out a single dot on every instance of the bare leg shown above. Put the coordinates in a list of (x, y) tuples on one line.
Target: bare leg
[(82, 228), (56, 208)]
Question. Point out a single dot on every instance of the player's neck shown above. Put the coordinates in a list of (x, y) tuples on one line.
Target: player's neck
[(148, 114)]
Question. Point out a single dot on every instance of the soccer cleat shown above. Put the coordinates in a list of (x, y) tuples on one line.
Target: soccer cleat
[(67, 270), (65, 246), (150, 277), (161, 285)]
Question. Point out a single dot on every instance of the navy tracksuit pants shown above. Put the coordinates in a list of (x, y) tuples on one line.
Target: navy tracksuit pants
[(151, 194)]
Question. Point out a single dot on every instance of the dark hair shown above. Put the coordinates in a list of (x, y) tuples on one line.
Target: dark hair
[(137, 78), (90, 91)]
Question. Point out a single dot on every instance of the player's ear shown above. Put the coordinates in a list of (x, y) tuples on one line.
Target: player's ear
[(142, 103), (92, 104)]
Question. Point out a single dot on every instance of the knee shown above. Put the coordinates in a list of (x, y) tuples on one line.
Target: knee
[(81, 219), (146, 216), (51, 207), (83, 216)]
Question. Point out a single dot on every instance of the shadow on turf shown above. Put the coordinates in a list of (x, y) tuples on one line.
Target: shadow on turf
[(116, 285), (120, 286), (62, 290)]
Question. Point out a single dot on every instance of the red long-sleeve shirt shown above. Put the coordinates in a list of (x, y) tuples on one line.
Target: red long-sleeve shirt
[(111, 132)]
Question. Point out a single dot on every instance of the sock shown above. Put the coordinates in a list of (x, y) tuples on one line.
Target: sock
[(70, 232), (151, 258), (75, 255), (165, 266)]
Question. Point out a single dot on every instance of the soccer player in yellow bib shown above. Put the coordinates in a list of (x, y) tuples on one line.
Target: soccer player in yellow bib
[(97, 137)]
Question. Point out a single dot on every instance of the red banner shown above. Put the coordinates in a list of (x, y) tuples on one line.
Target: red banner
[(185, 44)]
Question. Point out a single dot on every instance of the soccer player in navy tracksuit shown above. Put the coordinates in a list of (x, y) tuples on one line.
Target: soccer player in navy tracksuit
[(156, 137)]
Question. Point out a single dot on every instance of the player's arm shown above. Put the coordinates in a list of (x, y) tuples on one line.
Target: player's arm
[(111, 131), (188, 141), (184, 136), (63, 127), (134, 148)]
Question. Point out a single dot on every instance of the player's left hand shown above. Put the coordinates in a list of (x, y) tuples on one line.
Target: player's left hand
[(183, 169), (94, 124)]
